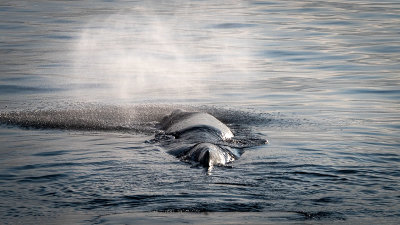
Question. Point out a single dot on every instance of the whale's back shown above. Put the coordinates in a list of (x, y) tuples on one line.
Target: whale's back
[(180, 122), (208, 155)]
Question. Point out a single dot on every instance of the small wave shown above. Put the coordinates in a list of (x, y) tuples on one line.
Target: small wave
[(235, 184), (216, 207), (52, 153), (49, 165), (44, 178), (141, 197), (5, 177), (232, 25), (328, 199), (62, 165), (315, 174), (321, 215), (11, 89)]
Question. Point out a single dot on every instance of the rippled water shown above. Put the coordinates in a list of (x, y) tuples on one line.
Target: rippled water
[(84, 84)]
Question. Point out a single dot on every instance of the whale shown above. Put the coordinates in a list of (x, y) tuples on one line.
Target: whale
[(180, 122), (192, 136), (209, 155), (206, 139)]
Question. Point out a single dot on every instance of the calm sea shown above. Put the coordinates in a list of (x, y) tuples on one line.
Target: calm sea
[(84, 83)]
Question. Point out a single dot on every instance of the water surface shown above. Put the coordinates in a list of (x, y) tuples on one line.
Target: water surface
[(83, 85)]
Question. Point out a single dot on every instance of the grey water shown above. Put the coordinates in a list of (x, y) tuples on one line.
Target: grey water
[(83, 85)]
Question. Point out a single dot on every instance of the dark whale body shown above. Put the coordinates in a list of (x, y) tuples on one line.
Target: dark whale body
[(181, 122), (205, 136)]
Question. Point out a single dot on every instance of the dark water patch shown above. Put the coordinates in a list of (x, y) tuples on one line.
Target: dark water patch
[(235, 184), (142, 197), (369, 191), (6, 177), (47, 165), (315, 174), (51, 194), (272, 163), (373, 91), (101, 163), (287, 53), (279, 176), (383, 156), (321, 215), (63, 21), (19, 89), (312, 166), (394, 159), (389, 188), (44, 178), (52, 65), (232, 25), (126, 201), (216, 207), (346, 171), (384, 48), (335, 22), (328, 199), (309, 150), (100, 202), (86, 86), (131, 148), (340, 67), (12, 27), (377, 156), (380, 144), (363, 157), (65, 165), (60, 37), (19, 78), (142, 200), (212, 218), (269, 3), (52, 153)]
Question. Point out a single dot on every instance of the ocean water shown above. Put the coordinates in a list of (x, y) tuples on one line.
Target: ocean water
[(83, 85)]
